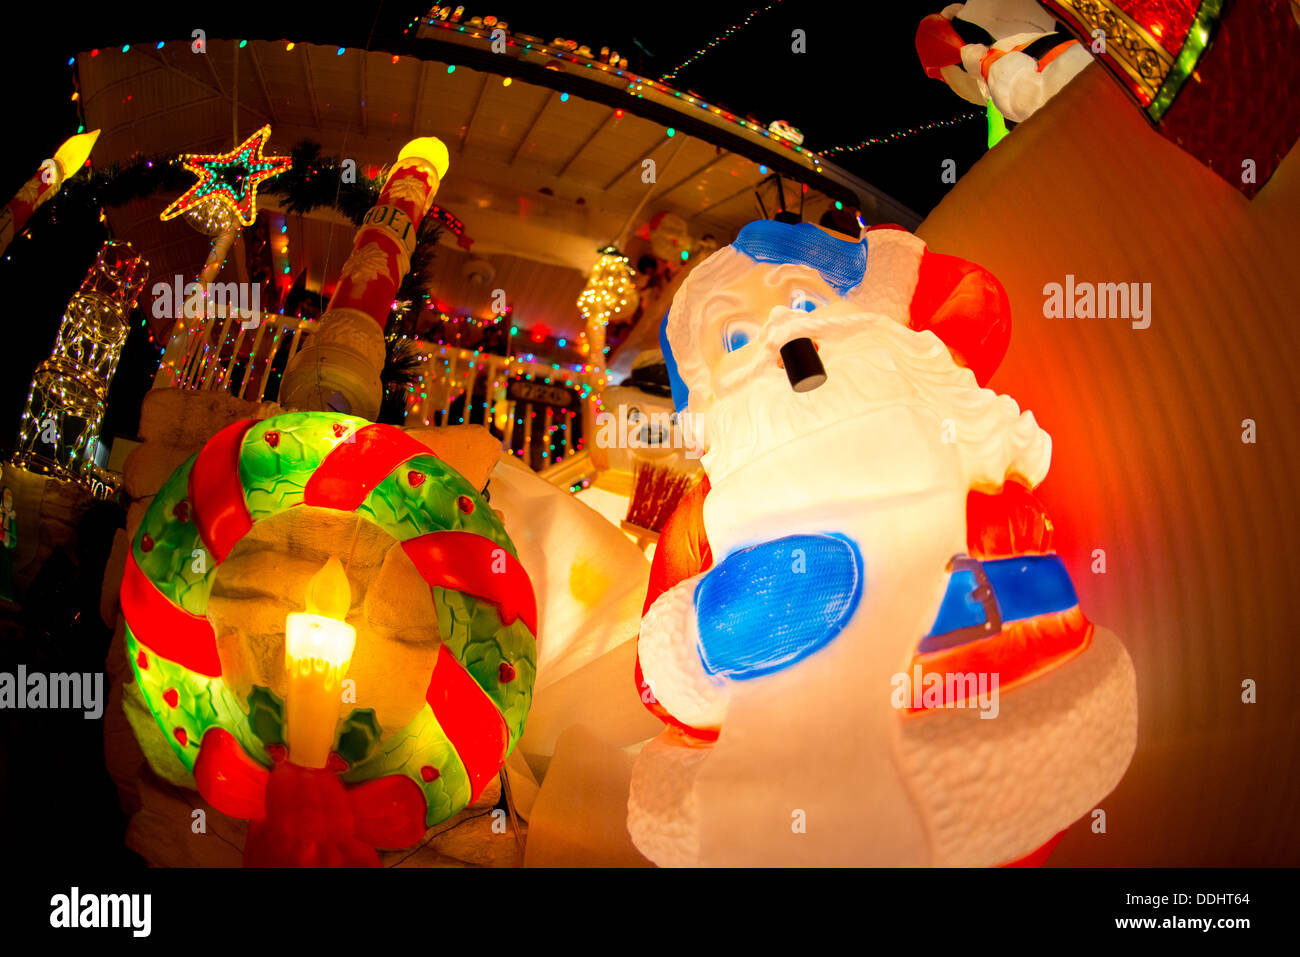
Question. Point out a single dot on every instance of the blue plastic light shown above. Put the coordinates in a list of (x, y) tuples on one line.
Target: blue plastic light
[(681, 393), (766, 607), (840, 262)]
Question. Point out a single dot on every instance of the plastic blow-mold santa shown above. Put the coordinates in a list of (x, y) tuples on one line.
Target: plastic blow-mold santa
[(860, 640)]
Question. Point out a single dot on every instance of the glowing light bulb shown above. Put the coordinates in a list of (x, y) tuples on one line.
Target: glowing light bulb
[(74, 152), (428, 148), (318, 648)]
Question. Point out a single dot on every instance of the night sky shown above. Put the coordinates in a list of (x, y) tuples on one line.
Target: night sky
[(859, 78)]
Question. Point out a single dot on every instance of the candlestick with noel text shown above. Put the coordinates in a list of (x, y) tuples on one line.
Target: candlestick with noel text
[(339, 370)]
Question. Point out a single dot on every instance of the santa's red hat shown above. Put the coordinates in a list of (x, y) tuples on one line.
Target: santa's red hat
[(961, 303)]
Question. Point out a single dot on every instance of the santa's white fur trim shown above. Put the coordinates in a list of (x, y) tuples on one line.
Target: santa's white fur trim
[(670, 660)]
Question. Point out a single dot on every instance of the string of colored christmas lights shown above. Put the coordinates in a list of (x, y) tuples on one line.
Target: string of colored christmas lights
[(355, 206), (471, 321), (636, 82), (902, 134), (716, 41)]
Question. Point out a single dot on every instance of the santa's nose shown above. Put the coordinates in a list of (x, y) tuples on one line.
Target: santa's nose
[(803, 367)]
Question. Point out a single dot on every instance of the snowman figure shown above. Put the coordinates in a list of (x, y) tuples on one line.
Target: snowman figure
[(863, 648)]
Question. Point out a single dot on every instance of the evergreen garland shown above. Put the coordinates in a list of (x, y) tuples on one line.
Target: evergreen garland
[(419, 279), (314, 181), (402, 363)]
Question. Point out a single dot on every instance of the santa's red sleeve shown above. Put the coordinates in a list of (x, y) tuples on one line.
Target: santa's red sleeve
[(959, 301), (681, 553), (1008, 523)]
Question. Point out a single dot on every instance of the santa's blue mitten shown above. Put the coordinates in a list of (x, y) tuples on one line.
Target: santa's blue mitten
[(769, 605)]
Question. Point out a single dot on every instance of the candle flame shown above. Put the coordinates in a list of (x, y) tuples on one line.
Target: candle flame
[(318, 646), (72, 155), (428, 148), (328, 591)]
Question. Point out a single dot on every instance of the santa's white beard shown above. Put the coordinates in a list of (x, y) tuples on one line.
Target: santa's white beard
[(872, 363)]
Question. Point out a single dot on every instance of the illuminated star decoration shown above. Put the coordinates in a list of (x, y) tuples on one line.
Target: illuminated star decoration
[(231, 178)]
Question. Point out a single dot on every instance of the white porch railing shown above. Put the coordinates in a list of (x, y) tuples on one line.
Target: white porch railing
[(462, 386), (457, 386), (232, 355)]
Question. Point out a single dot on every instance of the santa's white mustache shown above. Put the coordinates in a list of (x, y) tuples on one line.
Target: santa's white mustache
[(890, 367), (789, 338)]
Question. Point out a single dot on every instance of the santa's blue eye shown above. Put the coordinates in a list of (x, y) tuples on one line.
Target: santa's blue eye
[(737, 338)]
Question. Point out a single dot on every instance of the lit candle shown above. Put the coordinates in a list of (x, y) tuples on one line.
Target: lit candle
[(47, 181), (339, 368), (318, 649)]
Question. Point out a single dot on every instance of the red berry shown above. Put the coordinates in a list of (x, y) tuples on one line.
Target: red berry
[(171, 697), (464, 504), (277, 752), (339, 428), (146, 542), (335, 763), (182, 510), (506, 672), (429, 773), (416, 479), (181, 736), (142, 662), (272, 438)]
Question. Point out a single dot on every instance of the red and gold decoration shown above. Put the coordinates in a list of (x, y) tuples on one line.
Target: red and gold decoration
[(47, 180), (1194, 67), (1143, 40), (59, 429), (320, 788), (340, 369)]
